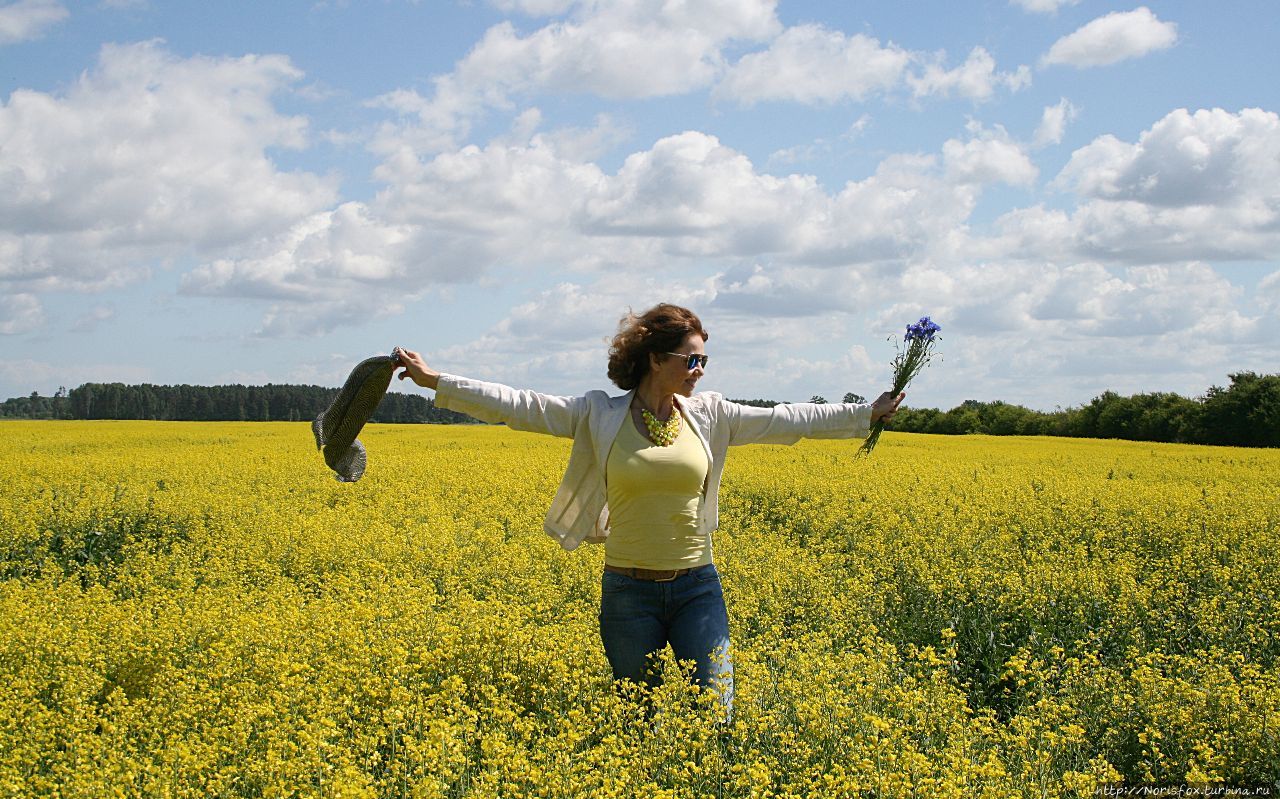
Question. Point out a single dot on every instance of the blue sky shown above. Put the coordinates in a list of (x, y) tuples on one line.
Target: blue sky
[(1085, 194)]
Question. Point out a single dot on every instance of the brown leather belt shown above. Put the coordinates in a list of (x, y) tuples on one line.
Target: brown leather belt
[(656, 575)]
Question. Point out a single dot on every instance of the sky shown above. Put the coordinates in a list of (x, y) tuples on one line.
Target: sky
[(1084, 194)]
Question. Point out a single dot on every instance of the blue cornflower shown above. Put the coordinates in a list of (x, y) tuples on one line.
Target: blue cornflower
[(910, 360), (924, 329)]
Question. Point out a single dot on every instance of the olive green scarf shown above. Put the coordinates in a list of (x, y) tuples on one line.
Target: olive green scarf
[(337, 427)]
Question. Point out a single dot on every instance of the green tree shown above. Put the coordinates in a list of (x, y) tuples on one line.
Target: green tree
[(1245, 414)]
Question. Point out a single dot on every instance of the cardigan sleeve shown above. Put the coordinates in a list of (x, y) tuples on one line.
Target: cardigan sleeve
[(788, 423), (518, 409)]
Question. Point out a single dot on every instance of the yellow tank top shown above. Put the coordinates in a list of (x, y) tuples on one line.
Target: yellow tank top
[(654, 493)]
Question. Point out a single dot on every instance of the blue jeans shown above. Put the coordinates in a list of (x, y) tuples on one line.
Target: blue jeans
[(640, 617)]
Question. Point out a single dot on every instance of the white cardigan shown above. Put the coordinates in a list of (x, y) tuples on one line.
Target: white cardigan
[(579, 512)]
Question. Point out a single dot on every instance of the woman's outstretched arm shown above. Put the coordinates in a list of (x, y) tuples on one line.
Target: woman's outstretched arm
[(788, 423), (494, 402)]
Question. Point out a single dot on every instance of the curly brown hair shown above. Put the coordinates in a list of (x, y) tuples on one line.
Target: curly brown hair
[(662, 328)]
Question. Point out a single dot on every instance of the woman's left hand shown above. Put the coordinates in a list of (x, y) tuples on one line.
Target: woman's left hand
[(885, 406)]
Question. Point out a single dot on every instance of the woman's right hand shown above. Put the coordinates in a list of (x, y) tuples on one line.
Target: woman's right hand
[(885, 406), (416, 368)]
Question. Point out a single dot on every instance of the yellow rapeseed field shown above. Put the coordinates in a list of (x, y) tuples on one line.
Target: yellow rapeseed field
[(192, 609)]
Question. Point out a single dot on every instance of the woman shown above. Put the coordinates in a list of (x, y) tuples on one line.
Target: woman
[(644, 478)]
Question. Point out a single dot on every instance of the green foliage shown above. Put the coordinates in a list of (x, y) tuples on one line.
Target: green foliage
[(1245, 414), (234, 403), (37, 407)]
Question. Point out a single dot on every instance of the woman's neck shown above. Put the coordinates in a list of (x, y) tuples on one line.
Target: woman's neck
[(656, 401)]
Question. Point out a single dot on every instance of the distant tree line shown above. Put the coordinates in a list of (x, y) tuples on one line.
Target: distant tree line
[(757, 403), (235, 403), (1245, 413)]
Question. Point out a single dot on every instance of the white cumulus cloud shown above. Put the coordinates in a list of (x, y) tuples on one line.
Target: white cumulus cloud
[(1115, 37), (93, 318), (1141, 301), (319, 258), (146, 158), (1210, 157), (699, 198), (789, 291), (20, 313), (535, 8), (1011, 329), (1201, 186), (990, 156), (1043, 6), (620, 50), (1053, 123), (1269, 293), (28, 19), (690, 205), (689, 201), (646, 48), (976, 78), (1021, 331), (815, 65), (812, 64)]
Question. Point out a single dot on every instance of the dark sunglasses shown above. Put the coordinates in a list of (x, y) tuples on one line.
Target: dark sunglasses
[(693, 362)]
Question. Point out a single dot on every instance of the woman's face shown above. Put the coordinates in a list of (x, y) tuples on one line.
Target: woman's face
[(671, 373)]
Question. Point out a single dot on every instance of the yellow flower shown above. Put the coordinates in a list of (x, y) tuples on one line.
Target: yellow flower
[(198, 609)]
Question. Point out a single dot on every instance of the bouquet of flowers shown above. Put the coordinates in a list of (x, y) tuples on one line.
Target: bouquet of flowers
[(920, 339)]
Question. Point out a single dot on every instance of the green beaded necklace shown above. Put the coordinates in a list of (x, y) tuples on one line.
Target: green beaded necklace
[(662, 433)]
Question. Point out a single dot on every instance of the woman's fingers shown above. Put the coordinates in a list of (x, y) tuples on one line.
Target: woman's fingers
[(886, 406), (405, 357), (415, 368), (408, 356), (893, 407)]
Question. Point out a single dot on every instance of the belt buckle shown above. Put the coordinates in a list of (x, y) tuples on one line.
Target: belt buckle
[(674, 574)]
